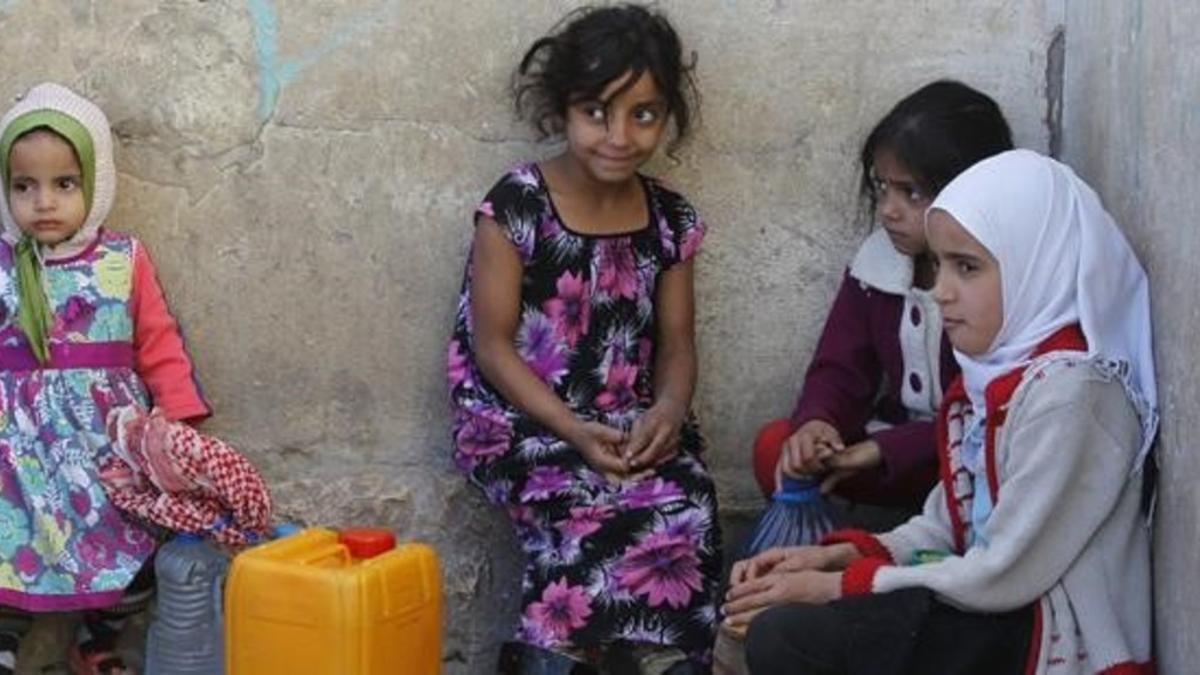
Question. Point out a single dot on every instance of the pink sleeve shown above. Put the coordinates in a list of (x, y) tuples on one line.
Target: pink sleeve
[(160, 358)]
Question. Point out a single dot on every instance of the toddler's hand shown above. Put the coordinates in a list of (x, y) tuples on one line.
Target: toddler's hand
[(806, 451)]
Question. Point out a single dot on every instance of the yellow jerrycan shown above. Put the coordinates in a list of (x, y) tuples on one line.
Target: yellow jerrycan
[(320, 602)]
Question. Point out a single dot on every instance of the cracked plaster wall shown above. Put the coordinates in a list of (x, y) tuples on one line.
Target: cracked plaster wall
[(304, 173), (1131, 124)]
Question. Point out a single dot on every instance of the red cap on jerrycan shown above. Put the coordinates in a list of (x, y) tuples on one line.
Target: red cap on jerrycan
[(367, 542)]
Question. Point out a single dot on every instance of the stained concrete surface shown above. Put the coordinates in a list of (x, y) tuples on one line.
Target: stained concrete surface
[(1132, 127), (304, 174)]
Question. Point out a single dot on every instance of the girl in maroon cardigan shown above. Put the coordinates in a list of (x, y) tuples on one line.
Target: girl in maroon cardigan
[(864, 416)]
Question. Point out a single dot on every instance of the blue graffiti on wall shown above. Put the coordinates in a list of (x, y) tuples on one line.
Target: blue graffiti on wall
[(276, 72)]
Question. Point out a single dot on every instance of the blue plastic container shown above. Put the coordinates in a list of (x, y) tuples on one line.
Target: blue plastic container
[(798, 515)]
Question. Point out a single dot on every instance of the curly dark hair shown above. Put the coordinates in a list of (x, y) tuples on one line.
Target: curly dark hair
[(936, 132), (589, 49)]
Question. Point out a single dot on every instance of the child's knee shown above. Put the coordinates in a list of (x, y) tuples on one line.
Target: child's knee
[(792, 639)]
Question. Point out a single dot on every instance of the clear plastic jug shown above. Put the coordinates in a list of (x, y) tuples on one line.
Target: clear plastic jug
[(186, 635)]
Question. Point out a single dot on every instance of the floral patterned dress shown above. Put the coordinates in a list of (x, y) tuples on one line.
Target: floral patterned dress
[(63, 545), (637, 560)]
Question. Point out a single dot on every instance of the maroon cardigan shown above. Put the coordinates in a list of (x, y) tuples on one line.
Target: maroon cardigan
[(855, 376)]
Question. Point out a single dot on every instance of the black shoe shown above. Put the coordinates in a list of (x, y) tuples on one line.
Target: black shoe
[(688, 667), (518, 658), (620, 659)]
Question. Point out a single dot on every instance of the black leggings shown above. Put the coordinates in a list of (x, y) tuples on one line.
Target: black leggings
[(98, 628), (900, 633)]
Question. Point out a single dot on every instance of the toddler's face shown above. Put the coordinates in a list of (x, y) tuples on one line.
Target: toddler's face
[(45, 187), (968, 286)]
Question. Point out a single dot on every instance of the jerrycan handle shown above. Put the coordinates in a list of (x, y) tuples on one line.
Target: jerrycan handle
[(337, 552)]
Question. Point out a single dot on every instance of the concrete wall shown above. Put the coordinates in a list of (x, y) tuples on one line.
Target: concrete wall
[(1131, 124), (304, 174)]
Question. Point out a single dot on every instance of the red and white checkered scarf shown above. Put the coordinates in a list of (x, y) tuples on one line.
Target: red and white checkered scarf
[(169, 474)]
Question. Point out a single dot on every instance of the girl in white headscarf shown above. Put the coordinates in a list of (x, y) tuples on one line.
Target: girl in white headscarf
[(1032, 554)]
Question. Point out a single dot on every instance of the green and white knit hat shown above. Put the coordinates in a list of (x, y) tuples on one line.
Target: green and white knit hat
[(86, 127)]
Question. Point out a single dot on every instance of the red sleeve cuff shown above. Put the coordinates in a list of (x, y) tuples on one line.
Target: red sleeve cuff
[(859, 577), (868, 545)]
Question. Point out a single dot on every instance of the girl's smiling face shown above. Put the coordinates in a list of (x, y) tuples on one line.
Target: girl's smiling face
[(968, 286), (45, 188), (612, 136)]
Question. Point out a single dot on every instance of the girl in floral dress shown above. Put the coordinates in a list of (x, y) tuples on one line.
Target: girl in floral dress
[(572, 363), (84, 329)]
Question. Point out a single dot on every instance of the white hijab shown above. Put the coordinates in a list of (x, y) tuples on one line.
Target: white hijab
[(1063, 260)]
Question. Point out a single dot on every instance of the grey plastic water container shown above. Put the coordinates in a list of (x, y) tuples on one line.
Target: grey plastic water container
[(186, 636)]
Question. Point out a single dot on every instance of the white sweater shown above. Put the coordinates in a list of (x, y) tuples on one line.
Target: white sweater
[(1066, 529)]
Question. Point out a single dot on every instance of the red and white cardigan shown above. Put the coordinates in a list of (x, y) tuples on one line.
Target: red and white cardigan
[(1066, 530)]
